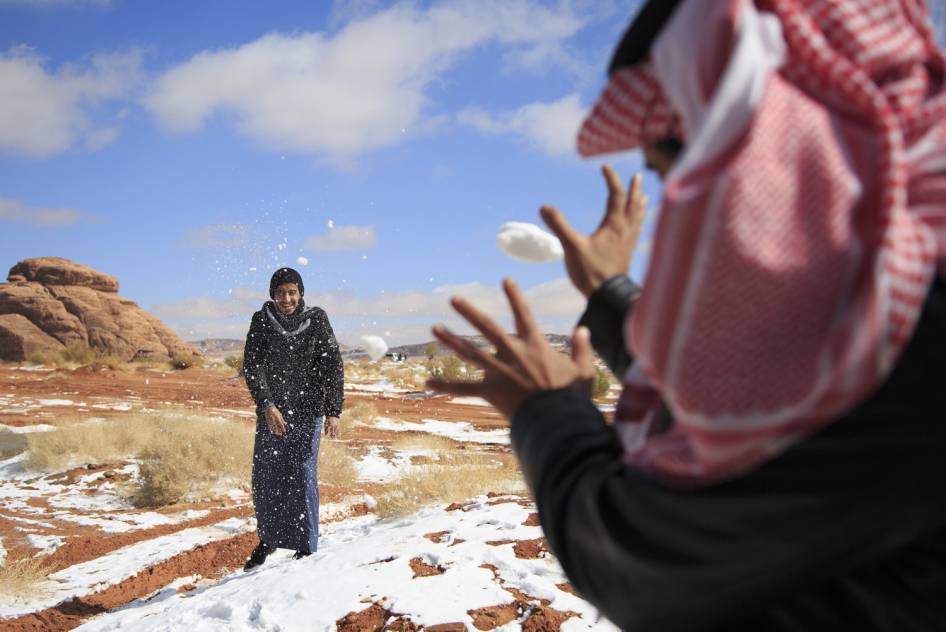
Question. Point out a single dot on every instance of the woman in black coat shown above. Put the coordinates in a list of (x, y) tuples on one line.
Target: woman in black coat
[(294, 371)]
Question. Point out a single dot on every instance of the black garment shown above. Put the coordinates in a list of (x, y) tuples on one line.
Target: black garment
[(292, 363), (844, 531)]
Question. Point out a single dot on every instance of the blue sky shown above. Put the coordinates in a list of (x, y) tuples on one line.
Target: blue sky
[(190, 148)]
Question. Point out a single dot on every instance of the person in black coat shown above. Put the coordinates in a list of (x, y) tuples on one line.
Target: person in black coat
[(294, 372)]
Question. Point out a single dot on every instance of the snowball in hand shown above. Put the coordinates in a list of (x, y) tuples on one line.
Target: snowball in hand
[(375, 346), (528, 242)]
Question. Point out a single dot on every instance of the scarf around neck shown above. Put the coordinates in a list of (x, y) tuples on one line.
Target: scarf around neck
[(290, 325)]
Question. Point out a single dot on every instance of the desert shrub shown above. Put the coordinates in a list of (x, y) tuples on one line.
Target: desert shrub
[(363, 411), (431, 442), (11, 443), (24, 577), (601, 383), (48, 358), (336, 464), (235, 362), (401, 376), (181, 361), (181, 456), (190, 458), (430, 350), (457, 476), (79, 353), (451, 368)]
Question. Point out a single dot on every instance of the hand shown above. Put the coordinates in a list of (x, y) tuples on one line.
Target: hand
[(332, 427), (593, 259), (524, 364), (274, 421)]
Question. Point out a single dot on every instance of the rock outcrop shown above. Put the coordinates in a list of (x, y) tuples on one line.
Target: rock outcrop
[(49, 303)]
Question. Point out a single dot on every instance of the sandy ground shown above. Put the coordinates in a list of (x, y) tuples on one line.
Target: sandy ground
[(75, 520)]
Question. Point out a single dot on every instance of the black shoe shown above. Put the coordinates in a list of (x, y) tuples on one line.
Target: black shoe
[(258, 556), (300, 554)]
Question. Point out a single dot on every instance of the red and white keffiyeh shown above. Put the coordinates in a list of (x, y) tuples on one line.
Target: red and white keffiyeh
[(801, 227)]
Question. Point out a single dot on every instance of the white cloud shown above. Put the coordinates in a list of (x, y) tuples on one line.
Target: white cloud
[(42, 217), (551, 127), (336, 96), (217, 236), (346, 237), (45, 113)]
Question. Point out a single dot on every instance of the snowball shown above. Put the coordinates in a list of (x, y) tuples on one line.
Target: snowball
[(528, 242), (375, 346), (330, 224), (302, 261)]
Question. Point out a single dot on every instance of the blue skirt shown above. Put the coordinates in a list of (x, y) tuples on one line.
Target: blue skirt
[(285, 484)]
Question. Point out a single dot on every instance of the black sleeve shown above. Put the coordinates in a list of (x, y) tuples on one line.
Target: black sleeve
[(604, 317), (254, 362), (331, 368), (656, 558)]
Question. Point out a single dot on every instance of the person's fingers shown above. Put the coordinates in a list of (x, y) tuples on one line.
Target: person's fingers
[(485, 325), (525, 323), (560, 227), (636, 204), (616, 199), (463, 389), (582, 352)]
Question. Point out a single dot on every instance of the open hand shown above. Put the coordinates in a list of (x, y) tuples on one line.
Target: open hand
[(523, 364), (274, 421), (591, 260)]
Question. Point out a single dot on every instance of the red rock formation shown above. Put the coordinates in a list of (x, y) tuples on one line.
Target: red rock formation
[(50, 302)]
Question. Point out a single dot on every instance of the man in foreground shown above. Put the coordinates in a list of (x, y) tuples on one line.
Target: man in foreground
[(776, 459)]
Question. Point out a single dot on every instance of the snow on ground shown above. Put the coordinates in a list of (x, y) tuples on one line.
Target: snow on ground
[(470, 401), (27, 429), (363, 560), (110, 569), (383, 387), (458, 430)]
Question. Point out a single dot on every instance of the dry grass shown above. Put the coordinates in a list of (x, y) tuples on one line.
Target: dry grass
[(182, 457), (336, 464), (11, 443), (363, 411), (404, 375), (190, 459), (432, 442), (24, 578), (456, 477)]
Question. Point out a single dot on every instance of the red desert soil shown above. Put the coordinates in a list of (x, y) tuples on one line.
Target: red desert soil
[(423, 569), (202, 391)]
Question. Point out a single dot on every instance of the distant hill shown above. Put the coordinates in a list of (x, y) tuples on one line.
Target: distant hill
[(558, 341), (223, 347)]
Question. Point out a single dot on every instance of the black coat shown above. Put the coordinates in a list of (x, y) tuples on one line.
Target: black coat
[(299, 370), (846, 530)]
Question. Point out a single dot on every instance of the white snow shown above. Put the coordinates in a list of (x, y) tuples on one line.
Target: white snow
[(363, 560), (470, 401), (27, 429), (458, 430), (3, 552), (45, 543), (302, 261), (529, 243), (56, 402), (110, 569), (375, 347)]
